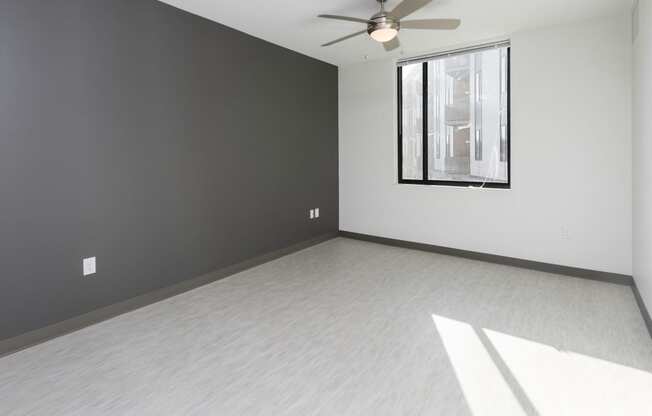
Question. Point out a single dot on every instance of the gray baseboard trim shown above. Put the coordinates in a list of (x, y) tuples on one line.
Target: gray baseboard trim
[(641, 306), (38, 336), (616, 278)]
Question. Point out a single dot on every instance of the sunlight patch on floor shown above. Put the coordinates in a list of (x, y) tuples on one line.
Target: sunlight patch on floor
[(507, 375), (485, 390), (568, 383)]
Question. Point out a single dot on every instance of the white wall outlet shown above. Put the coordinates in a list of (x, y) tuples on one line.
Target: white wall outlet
[(565, 233), (316, 212), (312, 214), (90, 266)]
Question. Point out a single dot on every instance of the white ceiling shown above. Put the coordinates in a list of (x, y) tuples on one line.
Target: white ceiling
[(294, 25)]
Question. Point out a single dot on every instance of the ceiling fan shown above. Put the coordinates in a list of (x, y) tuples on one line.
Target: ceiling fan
[(384, 26)]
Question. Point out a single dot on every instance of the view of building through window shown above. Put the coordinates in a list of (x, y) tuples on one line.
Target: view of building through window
[(466, 116), (413, 122)]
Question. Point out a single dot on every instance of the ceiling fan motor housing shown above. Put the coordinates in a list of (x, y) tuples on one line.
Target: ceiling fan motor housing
[(380, 21)]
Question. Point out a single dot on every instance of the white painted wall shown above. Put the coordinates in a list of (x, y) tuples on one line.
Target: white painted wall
[(642, 155), (571, 157)]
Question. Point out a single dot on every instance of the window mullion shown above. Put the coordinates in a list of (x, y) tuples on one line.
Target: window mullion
[(424, 116), (399, 74)]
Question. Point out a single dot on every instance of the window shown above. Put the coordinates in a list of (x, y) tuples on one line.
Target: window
[(454, 118)]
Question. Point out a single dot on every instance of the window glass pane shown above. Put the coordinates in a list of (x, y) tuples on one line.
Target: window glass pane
[(412, 118), (503, 105), (467, 117)]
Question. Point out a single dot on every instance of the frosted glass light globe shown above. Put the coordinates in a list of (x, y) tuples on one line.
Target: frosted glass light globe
[(384, 35)]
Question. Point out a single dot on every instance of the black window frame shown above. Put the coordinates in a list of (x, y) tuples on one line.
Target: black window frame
[(424, 155)]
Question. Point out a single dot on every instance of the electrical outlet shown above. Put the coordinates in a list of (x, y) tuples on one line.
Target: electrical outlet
[(565, 233), (312, 214), (316, 212), (90, 266)]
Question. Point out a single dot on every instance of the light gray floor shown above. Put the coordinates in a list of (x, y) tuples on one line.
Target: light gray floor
[(352, 328)]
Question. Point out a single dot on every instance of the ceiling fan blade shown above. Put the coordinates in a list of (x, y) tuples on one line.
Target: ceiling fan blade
[(352, 35), (437, 24), (392, 44), (345, 18), (408, 7)]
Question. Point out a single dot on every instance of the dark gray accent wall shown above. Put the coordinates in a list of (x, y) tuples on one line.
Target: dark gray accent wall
[(165, 144)]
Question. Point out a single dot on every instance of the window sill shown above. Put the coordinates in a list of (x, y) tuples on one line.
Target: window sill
[(458, 185)]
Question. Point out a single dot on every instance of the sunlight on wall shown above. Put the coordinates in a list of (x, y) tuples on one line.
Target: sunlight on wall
[(507, 375)]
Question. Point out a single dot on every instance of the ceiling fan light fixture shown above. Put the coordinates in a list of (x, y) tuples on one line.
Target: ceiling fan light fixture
[(384, 35), (382, 29)]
